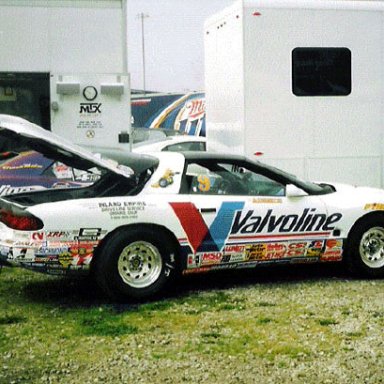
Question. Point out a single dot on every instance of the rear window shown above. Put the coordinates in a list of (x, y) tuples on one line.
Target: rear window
[(186, 146), (31, 170)]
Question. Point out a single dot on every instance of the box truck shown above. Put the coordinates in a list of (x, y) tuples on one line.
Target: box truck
[(300, 82), (63, 65)]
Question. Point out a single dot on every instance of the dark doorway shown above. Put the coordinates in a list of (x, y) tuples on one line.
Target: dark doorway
[(26, 95)]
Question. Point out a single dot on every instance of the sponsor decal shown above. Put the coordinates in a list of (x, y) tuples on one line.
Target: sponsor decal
[(333, 250), (44, 251), (28, 244), (267, 200), (271, 251), (234, 258), (282, 251), (165, 180), (42, 236), (374, 207), (89, 234), (256, 252), (46, 259), (39, 236), (230, 254), (211, 258), (21, 166), (65, 259), (196, 270), (8, 189), (123, 209), (307, 221), (83, 252), (234, 248), (315, 248)]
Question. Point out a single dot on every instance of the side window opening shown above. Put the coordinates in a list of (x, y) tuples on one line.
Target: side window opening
[(228, 179)]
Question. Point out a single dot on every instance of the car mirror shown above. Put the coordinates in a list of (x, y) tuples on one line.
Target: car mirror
[(294, 191)]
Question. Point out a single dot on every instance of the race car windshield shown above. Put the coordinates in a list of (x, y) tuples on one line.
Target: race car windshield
[(308, 186), (311, 187)]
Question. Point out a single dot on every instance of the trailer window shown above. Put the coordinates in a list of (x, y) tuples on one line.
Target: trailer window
[(321, 71)]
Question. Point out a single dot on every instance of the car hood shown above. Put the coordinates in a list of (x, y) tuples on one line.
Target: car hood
[(361, 194), (20, 134), (340, 187)]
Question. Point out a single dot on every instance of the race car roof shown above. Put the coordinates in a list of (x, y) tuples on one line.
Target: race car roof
[(20, 134)]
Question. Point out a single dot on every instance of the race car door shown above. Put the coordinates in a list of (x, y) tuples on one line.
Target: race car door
[(241, 217)]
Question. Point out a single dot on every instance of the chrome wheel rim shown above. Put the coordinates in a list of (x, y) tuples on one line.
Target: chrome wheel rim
[(372, 247), (139, 264)]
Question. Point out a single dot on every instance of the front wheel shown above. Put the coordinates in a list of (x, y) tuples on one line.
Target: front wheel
[(135, 263), (365, 254)]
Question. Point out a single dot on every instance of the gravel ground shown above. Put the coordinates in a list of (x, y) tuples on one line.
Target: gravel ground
[(351, 360), (301, 328)]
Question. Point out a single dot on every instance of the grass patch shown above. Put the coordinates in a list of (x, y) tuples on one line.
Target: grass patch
[(263, 320), (104, 321), (210, 337), (378, 314), (289, 350), (327, 322), (11, 319), (354, 335), (155, 306), (265, 304), (106, 326)]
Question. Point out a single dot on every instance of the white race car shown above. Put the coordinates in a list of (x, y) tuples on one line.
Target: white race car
[(150, 217)]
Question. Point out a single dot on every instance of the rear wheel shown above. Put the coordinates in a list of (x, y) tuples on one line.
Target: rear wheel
[(366, 248), (139, 264), (136, 263)]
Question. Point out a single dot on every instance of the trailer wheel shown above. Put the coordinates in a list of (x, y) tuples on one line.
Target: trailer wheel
[(365, 252), (135, 263)]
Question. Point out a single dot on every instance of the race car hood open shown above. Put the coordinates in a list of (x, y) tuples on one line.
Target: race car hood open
[(20, 135)]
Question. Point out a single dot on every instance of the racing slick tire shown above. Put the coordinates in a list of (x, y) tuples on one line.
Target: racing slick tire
[(135, 263), (365, 252)]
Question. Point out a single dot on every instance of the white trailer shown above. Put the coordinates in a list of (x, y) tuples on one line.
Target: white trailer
[(301, 82), (63, 65)]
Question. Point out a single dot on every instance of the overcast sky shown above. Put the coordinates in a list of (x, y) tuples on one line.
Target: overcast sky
[(174, 46)]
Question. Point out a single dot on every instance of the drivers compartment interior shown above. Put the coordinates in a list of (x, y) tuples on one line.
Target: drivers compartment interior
[(211, 178)]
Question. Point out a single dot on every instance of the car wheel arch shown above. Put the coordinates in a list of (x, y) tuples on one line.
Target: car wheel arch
[(363, 224), (169, 235), (367, 217)]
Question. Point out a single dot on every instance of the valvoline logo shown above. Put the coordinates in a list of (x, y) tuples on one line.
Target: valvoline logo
[(231, 220), (200, 237)]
